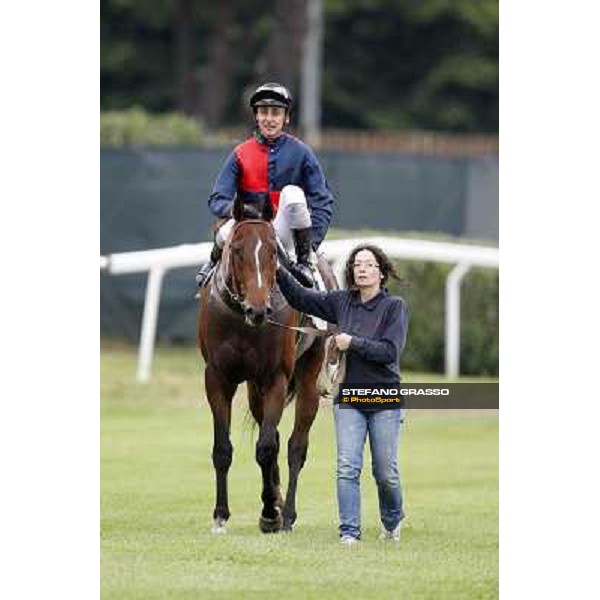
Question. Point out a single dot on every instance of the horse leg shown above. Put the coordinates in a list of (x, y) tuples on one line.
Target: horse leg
[(220, 393), (257, 412), (277, 482), (307, 404), (267, 450)]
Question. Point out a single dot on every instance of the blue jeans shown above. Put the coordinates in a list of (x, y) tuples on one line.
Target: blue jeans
[(351, 427)]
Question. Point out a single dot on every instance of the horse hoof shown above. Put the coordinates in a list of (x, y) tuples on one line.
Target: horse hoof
[(270, 525), (289, 521), (218, 527)]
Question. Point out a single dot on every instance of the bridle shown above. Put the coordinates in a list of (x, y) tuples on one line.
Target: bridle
[(234, 299), (232, 296)]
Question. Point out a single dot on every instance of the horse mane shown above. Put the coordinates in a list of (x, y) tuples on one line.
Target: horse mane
[(262, 210)]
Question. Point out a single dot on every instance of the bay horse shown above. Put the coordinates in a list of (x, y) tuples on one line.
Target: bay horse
[(239, 344)]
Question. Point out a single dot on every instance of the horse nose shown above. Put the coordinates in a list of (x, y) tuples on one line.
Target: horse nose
[(260, 316), (256, 315), (269, 310)]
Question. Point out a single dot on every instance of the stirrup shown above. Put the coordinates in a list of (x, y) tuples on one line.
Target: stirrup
[(204, 273)]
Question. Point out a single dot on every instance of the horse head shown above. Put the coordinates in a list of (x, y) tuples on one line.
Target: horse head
[(251, 257)]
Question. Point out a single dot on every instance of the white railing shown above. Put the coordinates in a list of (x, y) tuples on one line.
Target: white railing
[(157, 262)]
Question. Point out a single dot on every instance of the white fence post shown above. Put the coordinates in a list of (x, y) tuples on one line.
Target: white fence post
[(160, 260), (148, 334), (453, 282)]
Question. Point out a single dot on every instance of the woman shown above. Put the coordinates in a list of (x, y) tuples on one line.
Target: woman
[(374, 326)]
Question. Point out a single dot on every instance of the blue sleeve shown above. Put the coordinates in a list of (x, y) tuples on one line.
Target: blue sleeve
[(388, 348), (225, 188), (319, 304), (319, 197)]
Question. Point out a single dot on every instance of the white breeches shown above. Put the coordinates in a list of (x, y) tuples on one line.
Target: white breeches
[(293, 213)]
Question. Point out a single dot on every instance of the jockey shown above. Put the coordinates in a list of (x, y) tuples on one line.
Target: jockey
[(273, 166)]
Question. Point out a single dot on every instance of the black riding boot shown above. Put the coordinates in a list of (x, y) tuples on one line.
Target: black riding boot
[(203, 272), (302, 269)]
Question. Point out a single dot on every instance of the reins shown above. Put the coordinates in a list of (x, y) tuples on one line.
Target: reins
[(236, 299), (307, 330)]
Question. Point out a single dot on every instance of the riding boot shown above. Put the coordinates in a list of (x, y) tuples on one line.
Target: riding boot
[(204, 271), (302, 270)]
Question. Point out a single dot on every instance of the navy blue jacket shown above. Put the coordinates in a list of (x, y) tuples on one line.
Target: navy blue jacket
[(378, 328), (257, 170)]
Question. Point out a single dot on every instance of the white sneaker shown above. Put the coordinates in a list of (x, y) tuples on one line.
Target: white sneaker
[(390, 536), (348, 540)]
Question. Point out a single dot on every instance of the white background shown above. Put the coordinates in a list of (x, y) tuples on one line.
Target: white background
[(549, 232)]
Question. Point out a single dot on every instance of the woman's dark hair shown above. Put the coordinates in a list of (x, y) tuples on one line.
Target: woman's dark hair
[(386, 268)]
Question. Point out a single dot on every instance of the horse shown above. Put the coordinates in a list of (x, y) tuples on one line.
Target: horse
[(239, 341)]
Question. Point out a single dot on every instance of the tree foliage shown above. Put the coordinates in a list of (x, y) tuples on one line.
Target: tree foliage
[(387, 64)]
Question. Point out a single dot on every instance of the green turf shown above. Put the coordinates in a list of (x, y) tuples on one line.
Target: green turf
[(157, 487)]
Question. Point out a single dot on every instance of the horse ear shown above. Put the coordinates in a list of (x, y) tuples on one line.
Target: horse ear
[(267, 210), (238, 208)]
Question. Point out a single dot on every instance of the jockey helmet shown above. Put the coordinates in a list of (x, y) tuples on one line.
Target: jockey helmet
[(271, 94)]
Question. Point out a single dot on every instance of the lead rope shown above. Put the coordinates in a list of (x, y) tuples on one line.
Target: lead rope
[(333, 369), (307, 330)]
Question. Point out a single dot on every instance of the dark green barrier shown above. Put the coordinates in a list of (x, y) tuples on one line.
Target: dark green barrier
[(154, 198), (158, 197)]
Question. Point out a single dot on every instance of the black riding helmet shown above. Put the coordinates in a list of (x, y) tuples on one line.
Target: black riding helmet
[(271, 94)]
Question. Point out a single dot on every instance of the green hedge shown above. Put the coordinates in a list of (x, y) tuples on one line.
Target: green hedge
[(424, 291), (136, 127)]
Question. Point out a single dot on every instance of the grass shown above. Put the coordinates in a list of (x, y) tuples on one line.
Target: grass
[(157, 487)]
